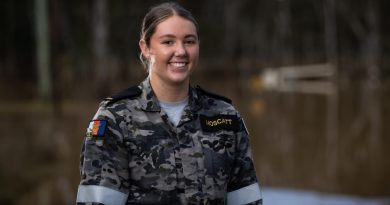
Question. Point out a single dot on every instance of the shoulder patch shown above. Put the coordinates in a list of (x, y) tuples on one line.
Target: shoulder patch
[(96, 128), (213, 95), (128, 93)]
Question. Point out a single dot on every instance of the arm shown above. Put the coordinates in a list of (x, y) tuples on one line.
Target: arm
[(103, 163), (243, 187)]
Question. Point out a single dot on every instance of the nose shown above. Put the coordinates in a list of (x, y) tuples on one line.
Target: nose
[(180, 49)]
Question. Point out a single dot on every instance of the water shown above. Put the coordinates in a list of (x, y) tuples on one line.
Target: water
[(280, 196)]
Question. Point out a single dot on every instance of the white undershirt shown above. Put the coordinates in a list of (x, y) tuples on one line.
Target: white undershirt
[(174, 110)]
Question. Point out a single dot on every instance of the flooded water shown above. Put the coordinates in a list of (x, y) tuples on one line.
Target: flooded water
[(278, 196)]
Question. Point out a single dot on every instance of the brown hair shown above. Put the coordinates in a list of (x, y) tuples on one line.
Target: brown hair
[(158, 14)]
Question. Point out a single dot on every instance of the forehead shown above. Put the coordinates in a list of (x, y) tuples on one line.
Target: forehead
[(176, 26)]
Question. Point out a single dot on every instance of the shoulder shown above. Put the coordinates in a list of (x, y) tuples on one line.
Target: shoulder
[(212, 95), (215, 104), (129, 93), (111, 106), (218, 108)]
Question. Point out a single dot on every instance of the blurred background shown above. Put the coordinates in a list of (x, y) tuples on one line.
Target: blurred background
[(311, 79)]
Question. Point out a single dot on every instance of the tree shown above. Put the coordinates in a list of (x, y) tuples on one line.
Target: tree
[(332, 100), (99, 46), (43, 50)]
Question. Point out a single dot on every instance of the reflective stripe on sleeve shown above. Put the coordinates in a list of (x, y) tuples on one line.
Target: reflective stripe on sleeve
[(244, 195), (100, 194)]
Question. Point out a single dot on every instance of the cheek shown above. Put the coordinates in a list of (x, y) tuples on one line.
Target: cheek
[(194, 53), (164, 55)]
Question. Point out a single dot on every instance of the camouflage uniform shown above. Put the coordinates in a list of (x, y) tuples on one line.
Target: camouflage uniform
[(140, 157)]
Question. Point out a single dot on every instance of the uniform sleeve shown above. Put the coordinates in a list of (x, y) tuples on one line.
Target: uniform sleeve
[(243, 187), (103, 163)]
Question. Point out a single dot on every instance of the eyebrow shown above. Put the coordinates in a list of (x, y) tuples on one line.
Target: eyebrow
[(173, 36)]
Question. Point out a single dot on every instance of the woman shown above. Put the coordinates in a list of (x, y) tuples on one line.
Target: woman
[(164, 141)]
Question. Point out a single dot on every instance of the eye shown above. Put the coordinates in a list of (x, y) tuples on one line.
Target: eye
[(190, 41), (167, 42)]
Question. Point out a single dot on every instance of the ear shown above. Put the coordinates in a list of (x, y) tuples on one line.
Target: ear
[(144, 48)]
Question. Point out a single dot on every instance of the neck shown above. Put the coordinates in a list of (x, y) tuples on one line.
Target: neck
[(169, 92)]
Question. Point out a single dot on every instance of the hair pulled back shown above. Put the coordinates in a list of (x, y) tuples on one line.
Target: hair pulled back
[(158, 14)]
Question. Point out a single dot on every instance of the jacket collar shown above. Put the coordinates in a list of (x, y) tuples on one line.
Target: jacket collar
[(150, 103)]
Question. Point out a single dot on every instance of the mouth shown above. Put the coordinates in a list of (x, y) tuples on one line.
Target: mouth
[(178, 64)]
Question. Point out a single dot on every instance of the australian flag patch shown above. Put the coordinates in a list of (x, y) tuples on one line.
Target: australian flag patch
[(96, 128)]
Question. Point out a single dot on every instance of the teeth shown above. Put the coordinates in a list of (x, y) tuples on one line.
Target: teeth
[(178, 64)]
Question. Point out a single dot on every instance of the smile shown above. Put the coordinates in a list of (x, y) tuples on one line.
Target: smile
[(178, 64)]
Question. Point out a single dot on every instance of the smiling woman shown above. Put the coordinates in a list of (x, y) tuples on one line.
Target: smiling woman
[(172, 54), (164, 141)]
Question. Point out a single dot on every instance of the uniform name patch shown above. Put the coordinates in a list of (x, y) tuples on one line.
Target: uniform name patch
[(97, 128), (219, 122)]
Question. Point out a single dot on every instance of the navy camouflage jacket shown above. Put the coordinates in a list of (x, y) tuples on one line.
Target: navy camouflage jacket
[(133, 154)]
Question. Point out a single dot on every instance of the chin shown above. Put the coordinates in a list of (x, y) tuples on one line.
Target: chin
[(179, 80)]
